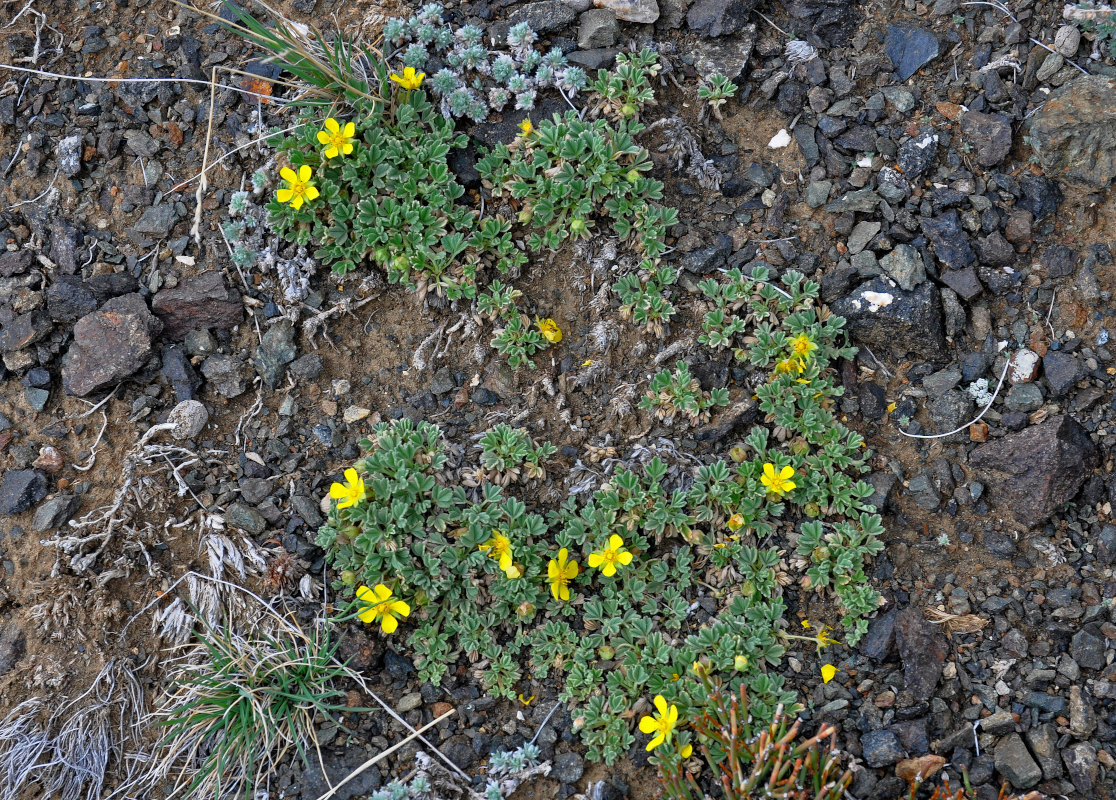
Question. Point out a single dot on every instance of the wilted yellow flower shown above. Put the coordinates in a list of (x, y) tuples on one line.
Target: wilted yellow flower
[(499, 549), (350, 492), (379, 605), (607, 559), (561, 571), (298, 189), (780, 483), (802, 346), (526, 127), (827, 672), (409, 79), (661, 723), (789, 365), (824, 639), (549, 329), (337, 140), (736, 522), (740, 663)]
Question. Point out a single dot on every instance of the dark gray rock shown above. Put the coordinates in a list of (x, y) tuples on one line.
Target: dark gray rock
[(1082, 767), (254, 490), (988, 134), (1036, 471), (66, 242), (905, 266), (21, 489), (995, 251), (274, 353), (950, 411), (890, 319), (1043, 741), (109, 345), (156, 221), (948, 239), (1061, 370), (1087, 647), (1025, 397), (568, 767), (910, 48), (543, 16), (711, 18), (863, 200), (832, 21), (917, 154), (922, 490), (245, 518), (1040, 196), (307, 367), (55, 512), (315, 783), (963, 281), (881, 748), (36, 398), (922, 651), (1014, 762), (728, 56), (1073, 135), (878, 643), (24, 330), (1059, 261), (196, 303), (69, 298), (227, 374), (598, 28), (180, 373), (15, 262)]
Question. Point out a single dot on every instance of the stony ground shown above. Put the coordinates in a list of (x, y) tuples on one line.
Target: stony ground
[(946, 176)]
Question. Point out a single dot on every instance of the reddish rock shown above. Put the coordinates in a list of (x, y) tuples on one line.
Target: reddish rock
[(202, 301), (109, 345)]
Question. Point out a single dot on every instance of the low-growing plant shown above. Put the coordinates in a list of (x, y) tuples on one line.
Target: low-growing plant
[(716, 91), (679, 393), (1098, 20), (473, 81), (776, 764), (508, 454), (601, 592)]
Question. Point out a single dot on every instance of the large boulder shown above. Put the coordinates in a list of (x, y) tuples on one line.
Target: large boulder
[(1074, 134), (1036, 471)]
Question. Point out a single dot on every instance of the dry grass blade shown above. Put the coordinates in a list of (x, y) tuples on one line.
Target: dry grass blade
[(325, 71), (955, 623)]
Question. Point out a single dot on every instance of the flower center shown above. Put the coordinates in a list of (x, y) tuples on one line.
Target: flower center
[(337, 140), (298, 187), (610, 556)]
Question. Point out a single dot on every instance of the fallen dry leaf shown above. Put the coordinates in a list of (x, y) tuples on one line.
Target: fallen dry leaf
[(919, 769)]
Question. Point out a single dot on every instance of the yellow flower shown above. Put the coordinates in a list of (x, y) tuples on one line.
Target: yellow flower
[(409, 79), (827, 672), (806, 624), (802, 346), (338, 140), (549, 329), (736, 522), (298, 188), (780, 483), (379, 605), (499, 549), (891, 407), (686, 751), (699, 668), (350, 492), (824, 639), (789, 365), (526, 127), (661, 724), (561, 571), (607, 559)]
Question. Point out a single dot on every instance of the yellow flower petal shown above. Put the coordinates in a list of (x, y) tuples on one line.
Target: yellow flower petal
[(660, 704), (283, 195), (350, 129), (609, 570), (323, 137), (304, 172), (658, 740), (786, 472), (347, 148), (687, 751), (401, 608), (330, 152), (595, 560), (389, 623), (288, 174), (312, 193), (648, 725), (332, 126), (624, 558), (827, 672), (296, 202), (615, 542)]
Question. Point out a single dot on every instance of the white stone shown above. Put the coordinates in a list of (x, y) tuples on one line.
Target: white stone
[(188, 418), (643, 11), (779, 140)]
